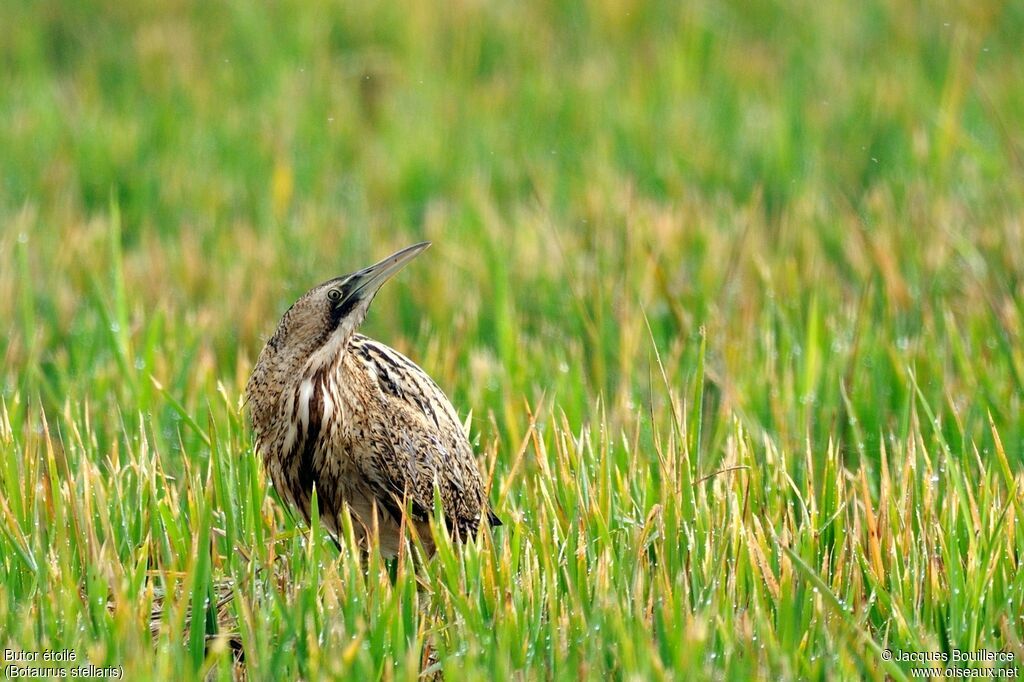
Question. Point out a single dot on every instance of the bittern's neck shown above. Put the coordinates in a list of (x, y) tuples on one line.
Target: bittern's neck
[(328, 355), (331, 351)]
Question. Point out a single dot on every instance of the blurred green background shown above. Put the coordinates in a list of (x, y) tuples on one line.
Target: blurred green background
[(793, 226), (555, 151)]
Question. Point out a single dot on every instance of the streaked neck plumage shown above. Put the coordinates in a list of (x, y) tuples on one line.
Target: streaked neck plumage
[(294, 356)]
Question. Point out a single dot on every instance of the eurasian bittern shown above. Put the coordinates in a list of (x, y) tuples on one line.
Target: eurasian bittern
[(361, 421)]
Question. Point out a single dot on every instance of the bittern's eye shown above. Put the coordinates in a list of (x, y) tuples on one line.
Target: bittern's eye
[(334, 295)]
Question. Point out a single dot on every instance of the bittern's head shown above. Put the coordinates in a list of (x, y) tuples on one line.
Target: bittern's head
[(320, 323)]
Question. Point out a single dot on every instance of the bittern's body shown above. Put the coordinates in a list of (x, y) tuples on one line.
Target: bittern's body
[(360, 421)]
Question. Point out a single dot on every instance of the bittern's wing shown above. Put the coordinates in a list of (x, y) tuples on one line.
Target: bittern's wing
[(417, 441)]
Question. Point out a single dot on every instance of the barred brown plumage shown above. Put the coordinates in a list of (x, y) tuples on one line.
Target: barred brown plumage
[(359, 420)]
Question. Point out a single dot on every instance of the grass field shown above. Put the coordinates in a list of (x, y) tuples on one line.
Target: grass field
[(732, 292)]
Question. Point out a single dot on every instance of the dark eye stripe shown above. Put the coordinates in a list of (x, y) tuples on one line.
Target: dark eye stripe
[(345, 308)]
